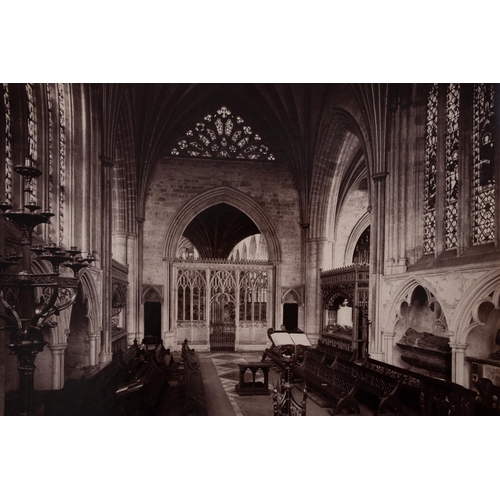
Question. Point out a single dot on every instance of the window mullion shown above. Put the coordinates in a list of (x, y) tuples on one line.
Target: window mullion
[(441, 169), (465, 168)]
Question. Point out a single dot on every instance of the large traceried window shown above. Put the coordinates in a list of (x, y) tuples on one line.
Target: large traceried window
[(483, 184), (222, 135), (451, 155), (430, 170), (443, 172)]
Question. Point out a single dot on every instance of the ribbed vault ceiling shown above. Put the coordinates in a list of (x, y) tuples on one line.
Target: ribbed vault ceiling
[(215, 231)]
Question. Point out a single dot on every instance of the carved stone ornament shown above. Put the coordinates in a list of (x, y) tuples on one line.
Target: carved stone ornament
[(451, 289)]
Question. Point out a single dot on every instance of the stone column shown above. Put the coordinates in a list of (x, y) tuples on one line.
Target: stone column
[(377, 257), (312, 291), (458, 362), (139, 279), (132, 290), (237, 310), (93, 347), (119, 248), (106, 258), (388, 343), (57, 351)]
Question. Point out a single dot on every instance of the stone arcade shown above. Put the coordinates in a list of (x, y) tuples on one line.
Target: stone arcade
[(365, 215)]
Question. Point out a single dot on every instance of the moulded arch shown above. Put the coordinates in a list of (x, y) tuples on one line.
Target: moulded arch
[(231, 196), (294, 293), (152, 292), (356, 233), (91, 297), (404, 293), (466, 318), (330, 173)]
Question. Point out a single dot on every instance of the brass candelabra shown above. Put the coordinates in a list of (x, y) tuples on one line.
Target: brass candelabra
[(29, 298)]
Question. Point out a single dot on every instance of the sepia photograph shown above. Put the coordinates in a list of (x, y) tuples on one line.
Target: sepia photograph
[(250, 249), (238, 221)]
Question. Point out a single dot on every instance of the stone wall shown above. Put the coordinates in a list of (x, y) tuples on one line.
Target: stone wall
[(175, 182)]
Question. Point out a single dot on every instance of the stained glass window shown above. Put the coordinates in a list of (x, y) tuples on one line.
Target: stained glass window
[(222, 135), (451, 155), (430, 170), (8, 144), (31, 122), (483, 182), (31, 134)]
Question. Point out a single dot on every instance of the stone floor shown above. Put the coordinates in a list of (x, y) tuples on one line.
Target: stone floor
[(227, 371)]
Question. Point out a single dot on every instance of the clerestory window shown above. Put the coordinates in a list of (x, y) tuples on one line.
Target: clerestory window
[(222, 135)]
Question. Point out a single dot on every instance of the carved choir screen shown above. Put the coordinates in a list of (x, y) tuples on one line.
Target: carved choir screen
[(222, 309), (345, 305), (222, 303)]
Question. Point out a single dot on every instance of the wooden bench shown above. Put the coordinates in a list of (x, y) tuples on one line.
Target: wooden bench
[(409, 394), (488, 399), (191, 381), (336, 387), (140, 394), (376, 389), (427, 395), (332, 353), (95, 395)]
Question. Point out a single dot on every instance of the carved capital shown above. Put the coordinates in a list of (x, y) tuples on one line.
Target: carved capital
[(457, 347), (58, 348), (107, 162), (381, 176)]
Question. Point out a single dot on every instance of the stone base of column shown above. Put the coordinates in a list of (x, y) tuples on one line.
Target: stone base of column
[(105, 358), (378, 355)]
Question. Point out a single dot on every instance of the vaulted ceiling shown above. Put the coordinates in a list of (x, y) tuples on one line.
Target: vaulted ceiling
[(305, 125), (218, 229)]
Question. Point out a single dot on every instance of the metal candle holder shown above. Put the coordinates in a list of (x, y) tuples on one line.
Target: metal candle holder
[(30, 298)]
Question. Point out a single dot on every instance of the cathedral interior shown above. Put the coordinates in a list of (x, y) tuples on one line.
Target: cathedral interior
[(156, 237)]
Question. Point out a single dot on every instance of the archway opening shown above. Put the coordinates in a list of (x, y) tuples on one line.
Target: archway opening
[(218, 229)]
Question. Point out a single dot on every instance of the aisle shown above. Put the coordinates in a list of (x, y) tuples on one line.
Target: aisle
[(226, 366)]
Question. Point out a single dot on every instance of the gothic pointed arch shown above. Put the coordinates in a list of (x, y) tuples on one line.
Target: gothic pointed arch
[(342, 158), (361, 226), (232, 197)]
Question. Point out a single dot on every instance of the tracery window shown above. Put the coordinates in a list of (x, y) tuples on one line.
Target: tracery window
[(451, 153), (191, 289), (8, 144), (31, 134), (253, 296), (430, 170), (443, 173), (222, 135), (483, 183)]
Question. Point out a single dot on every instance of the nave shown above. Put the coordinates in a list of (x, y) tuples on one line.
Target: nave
[(216, 212), (322, 381)]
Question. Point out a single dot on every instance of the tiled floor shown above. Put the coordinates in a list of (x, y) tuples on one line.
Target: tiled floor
[(226, 364)]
